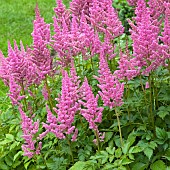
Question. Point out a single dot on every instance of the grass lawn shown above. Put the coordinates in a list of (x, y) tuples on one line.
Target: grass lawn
[(16, 17)]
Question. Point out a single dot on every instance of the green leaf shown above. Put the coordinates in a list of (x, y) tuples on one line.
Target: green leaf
[(4, 142), (110, 150), (108, 136), (55, 163), (121, 168), (14, 145), (131, 156), (126, 161), (15, 164), (158, 165), (18, 154), (27, 164), (78, 166), (162, 114), (108, 166), (131, 138), (105, 157), (3, 166), (125, 147), (8, 161), (135, 149), (148, 152), (153, 145), (161, 134), (118, 153), (111, 158), (9, 137), (167, 154), (139, 166)]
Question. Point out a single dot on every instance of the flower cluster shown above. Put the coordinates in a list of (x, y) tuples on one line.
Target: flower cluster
[(146, 47), (90, 111), (66, 108), (127, 67), (166, 33), (29, 129), (104, 18), (41, 53), (111, 89)]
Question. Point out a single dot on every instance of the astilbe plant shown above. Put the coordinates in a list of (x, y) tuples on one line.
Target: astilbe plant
[(79, 7), (29, 129), (166, 31), (87, 30), (111, 89), (90, 111), (104, 18), (62, 13), (17, 71), (40, 52), (146, 47), (66, 109), (127, 67)]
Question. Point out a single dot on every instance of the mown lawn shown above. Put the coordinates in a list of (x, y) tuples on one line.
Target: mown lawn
[(16, 19)]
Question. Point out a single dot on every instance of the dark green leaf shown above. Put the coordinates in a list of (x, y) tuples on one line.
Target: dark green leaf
[(161, 134), (139, 166)]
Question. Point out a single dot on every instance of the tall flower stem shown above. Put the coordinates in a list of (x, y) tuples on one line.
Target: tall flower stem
[(68, 141), (91, 60), (97, 138), (151, 101), (127, 96), (49, 95), (145, 98), (118, 121), (23, 93)]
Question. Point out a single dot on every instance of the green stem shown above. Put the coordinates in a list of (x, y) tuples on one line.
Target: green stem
[(68, 141), (145, 98), (118, 121), (151, 101), (98, 140), (49, 95), (23, 93), (127, 95), (91, 60)]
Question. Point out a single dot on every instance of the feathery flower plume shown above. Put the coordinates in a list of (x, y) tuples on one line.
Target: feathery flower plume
[(29, 129), (146, 48), (68, 104), (127, 67), (4, 69), (66, 109), (111, 89), (41, 38), (166, 33), (90, 111), (157, 8), (104, 18), (79, 7), (62, 13), (14, 90)]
